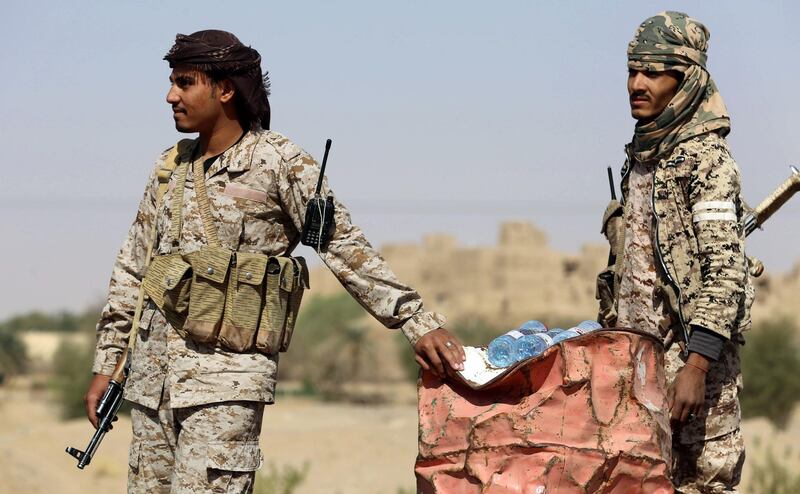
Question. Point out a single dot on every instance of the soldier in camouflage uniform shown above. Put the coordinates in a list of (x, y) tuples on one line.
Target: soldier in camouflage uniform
[(677, 266), (197, 406)]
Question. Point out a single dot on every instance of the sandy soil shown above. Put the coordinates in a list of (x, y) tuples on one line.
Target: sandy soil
[(349, 448)]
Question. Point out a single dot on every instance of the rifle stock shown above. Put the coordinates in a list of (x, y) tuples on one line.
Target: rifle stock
[(773, 202)]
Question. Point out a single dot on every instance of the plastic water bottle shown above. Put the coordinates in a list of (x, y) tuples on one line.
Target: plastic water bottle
[(587, 327), (501, 349), (532, 326), (531, 345), (565, 335)]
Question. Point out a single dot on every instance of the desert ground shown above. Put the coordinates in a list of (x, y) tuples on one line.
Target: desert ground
[(349, 449)]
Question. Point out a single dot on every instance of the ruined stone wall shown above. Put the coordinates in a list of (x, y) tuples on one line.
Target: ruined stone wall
[(520, 278), (523, 278)]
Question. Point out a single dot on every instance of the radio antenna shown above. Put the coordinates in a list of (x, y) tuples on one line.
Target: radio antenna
[(322, 170), (611, 184)]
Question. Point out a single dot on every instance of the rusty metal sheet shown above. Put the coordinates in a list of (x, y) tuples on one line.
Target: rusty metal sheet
[(589, 415)]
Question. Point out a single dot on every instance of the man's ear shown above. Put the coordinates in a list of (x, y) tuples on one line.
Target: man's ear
[(226, 90)]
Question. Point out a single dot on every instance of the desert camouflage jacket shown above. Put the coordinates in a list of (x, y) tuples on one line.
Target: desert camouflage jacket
[(698, 239), (258, 190)]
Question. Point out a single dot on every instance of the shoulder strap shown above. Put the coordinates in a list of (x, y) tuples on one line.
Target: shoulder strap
[(204, 205), (173, 157)]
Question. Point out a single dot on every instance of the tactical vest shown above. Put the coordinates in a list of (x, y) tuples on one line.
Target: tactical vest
[(239, 300)]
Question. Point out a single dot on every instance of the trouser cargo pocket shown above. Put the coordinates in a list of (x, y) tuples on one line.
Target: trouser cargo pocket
[(231, 466), (244, 302), (234, 456), (210, 267)]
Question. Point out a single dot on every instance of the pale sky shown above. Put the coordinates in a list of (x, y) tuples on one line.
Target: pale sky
[(446, 116)]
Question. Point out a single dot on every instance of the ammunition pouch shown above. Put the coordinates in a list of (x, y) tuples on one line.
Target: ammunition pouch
[(614, 227), (244, 302), (241, 301), (604, 293), (287, 277), (168, 283), (606, 289), (210, 266)]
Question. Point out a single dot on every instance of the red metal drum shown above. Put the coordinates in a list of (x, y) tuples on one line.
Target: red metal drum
[(589, 415)]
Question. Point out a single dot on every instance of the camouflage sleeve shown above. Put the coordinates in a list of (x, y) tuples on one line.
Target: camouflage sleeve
[(123, 291), (354, 262), (714, 199)]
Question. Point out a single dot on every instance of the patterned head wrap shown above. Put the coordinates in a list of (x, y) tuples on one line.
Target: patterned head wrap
[(675, 41), (221, 55)]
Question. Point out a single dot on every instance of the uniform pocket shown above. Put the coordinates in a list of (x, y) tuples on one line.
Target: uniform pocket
[(210, 267), (244, 302), (234, 456), (231, 466), (133, 455)]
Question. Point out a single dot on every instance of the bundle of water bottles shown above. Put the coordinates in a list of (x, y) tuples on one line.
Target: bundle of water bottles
[(532, 339)]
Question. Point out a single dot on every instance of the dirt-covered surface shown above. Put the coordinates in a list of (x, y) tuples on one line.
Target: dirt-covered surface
[(349, 448)]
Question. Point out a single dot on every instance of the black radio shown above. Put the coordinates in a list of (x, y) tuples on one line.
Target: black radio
[(319, 224)]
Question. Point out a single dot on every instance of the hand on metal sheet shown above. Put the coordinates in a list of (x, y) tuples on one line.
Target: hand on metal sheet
[(440, 352), (687, 393), (92, 397)]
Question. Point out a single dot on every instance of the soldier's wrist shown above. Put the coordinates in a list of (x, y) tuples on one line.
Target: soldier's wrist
[(706, 343)]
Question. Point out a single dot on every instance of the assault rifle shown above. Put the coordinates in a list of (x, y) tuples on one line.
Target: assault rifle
[(755, 218), (107, 410)]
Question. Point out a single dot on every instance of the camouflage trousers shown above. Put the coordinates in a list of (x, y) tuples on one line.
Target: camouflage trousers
[(201, 449), (708, 450)]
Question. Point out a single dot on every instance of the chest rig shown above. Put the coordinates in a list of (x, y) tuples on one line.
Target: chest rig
[(241, 301)]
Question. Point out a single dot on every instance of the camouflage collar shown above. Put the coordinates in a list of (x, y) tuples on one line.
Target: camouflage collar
[(235, 159), (238, 157)]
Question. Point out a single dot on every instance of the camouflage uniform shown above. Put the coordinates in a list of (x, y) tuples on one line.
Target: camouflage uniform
[(683, 263), (258, 190)]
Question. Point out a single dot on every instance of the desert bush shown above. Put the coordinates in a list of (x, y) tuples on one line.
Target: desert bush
[(330, 346), (72, 372), (62, 321), (13, 354), (271, 480), (773, 477), (770, 366)]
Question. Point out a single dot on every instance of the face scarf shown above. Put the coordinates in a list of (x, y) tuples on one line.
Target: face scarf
[(675, 41), (221, 54)]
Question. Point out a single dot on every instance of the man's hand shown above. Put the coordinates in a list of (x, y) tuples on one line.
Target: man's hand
[(435, 348), (687, 393), (93, 395)]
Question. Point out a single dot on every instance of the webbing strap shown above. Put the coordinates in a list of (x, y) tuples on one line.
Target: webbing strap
[(205, 206), (163, 179), (176, 206)]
